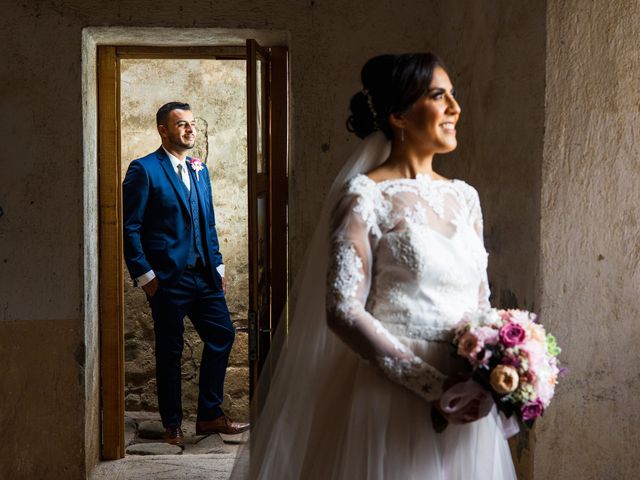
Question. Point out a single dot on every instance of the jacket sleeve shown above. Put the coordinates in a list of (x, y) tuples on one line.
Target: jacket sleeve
[(135, 195), (348, 284)]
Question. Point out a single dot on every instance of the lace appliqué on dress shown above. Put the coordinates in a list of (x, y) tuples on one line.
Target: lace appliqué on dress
[(431, 191), (415, 374), (476, 221), (345, 274), (416, 214), (348, 283), (368, 204)]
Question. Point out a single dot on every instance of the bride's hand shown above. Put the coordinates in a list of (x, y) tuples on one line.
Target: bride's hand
[(465, 400), (471, 412)]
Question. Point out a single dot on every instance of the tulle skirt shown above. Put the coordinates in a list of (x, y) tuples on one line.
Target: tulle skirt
[(364, 426)]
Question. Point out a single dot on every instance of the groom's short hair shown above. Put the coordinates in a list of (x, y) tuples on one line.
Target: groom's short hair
[(163, 112)]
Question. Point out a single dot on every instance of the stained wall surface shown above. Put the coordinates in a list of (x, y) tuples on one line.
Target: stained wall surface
[(47, 252), (591, 239)]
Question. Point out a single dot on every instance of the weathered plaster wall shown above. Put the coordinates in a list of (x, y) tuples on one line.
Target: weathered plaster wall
[(47, 234), (590, 234), (216, 91), (41, 412)]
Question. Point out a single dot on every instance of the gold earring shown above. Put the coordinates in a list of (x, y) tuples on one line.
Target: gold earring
[(402, 134)]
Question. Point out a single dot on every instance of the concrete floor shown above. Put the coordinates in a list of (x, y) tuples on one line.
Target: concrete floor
[(209, 457), (167, 467)]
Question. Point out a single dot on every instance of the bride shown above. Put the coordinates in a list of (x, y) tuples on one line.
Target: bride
[(396, 260)]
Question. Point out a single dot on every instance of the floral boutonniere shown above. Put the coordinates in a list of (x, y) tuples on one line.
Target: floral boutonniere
[(197, 165)]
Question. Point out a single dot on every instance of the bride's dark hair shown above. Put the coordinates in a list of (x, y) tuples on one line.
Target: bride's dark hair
[(392, 83)]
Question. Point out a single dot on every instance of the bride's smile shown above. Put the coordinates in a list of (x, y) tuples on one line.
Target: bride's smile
[(431, 121)]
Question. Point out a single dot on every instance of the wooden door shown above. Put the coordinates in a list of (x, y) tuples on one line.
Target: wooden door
[(258, 196), (267, 195)]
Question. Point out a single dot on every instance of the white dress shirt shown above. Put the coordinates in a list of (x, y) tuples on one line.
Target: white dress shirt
[(186, 179), (185, 173)]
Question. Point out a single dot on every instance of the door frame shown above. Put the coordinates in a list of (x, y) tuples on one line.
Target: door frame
[(110, 277)]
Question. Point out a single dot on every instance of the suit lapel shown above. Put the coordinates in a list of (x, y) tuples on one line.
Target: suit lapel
[(173, 178), (195, 183)]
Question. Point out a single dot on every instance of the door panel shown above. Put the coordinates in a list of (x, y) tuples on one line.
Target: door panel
[(259, 234)]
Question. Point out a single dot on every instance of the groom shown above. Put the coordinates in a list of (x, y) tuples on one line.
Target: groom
[(172, 252)]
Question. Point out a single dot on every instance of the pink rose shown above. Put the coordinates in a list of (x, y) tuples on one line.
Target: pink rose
[(197, 165), (469, 345), (545, 388), (531, 410), (488, 335), (521, 316), (535, 351), (463, 325), (512, 334)]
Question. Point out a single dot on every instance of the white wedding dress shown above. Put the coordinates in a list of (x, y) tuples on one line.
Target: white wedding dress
[(406, 261)]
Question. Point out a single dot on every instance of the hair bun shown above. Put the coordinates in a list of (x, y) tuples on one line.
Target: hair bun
[(362, 120), (369, 107)]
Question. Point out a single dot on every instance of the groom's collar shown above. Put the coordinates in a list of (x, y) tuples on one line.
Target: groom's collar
[(174, 160)]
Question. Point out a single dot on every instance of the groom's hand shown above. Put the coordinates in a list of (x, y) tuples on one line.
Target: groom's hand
[(152, 287), (224, 285)]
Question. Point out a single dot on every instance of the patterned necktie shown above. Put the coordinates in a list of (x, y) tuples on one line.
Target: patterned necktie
[(180, 174)]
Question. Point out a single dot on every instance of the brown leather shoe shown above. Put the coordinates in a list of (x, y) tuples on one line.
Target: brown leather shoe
[(174, 436), (220, 425)]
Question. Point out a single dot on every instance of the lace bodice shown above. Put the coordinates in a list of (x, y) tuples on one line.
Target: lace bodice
[(407, 261)]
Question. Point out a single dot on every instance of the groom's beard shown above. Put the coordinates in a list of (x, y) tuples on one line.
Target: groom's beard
[(180, 142)]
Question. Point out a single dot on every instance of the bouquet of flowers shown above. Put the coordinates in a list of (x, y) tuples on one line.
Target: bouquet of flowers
[(513, 357)]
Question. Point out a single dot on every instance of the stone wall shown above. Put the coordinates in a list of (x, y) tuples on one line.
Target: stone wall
[(215, 89)]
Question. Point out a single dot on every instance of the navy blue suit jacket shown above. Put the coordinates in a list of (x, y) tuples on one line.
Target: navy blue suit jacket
[(157, 224)]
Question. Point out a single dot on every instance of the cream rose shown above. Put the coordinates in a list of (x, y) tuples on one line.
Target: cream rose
[(504, 379)]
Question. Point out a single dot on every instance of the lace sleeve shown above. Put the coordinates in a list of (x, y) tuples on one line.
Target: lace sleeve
[(349, 279), (476, 217)]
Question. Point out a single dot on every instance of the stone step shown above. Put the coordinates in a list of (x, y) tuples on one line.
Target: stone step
[(153, 449)]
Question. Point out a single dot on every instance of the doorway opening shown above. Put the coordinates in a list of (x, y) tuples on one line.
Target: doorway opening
[(216, 91), (239, 98)]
